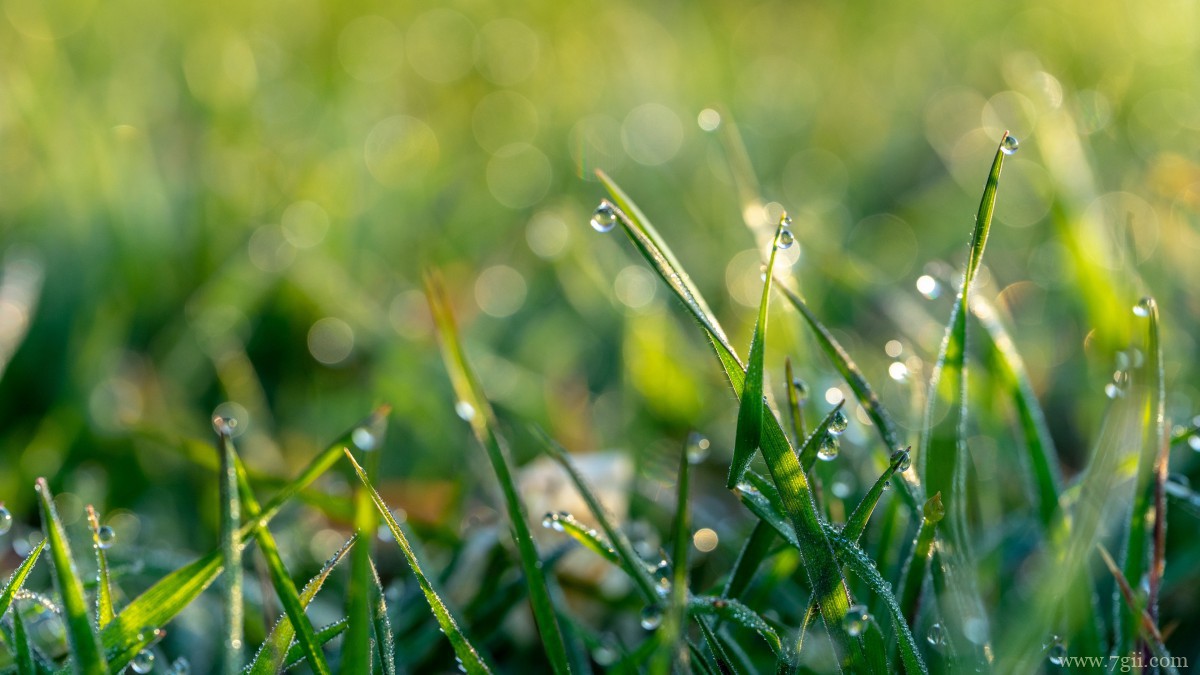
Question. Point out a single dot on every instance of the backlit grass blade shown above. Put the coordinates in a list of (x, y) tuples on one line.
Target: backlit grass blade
[(85, 650), (733, 611), (104, 602), (1144, 622), (857, 522), (231, 550), (587, 537), (675, 622), (295, 655), (1009, 369), (281, 580), (820, 564), (795, 404), (753, 405), (21, 647), (812, 444), (754, 550), (271, 655), (166, 598), (628, 558), (913, 576), (15, 581), (483, 424), (472, 662)]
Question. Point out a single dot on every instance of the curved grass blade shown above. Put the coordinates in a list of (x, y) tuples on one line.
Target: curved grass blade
[(586, 536), (913, 576), (1145, 623), (795, 403), (104, 603), (472, 662), (285, 589), (295, 655), (812, 444), (756, 549), (17, 579), (81, 636), (483, 424), (167, 597), (857, 522), (21, 647), (272, 654), (753, 405), (733, 611), (231, 550), (820, 564)]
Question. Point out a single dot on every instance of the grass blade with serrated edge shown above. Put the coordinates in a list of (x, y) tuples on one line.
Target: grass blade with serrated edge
[(295, 655), (672, 654), (1137, 542), (104, 603), (753, 407), (472, 662), (795, 405), (231, 551), (272, 654), (733, 611), (629, 560), (282, 582), (23, 650), (18, 577), (820, 564), (913, 575), (167, 597), (1146, 627), (483, 424), (81, 636), (755, 549), (716, 648), (1039, 445), (812, 444)]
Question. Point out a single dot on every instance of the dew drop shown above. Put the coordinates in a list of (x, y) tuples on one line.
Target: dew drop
[(465, 411), (828, 450), (105, 537), (662, 578), (905, 461), (1058, 652), (856, 619), (698, 446), (1193, 443), (6, 520), (548, 520), (1143, 306), (652, 617), (143, 662), (224, 425), (558, 524), (1010, 145), (839, 423), (785, 239), (604, 218), (937, 635), (364, 438), (1111, 390)]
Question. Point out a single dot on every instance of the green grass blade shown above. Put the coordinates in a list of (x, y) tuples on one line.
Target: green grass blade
[(733, 611), (1144, 622), (285, 588), (674, 649), (21, 647), (17, 579), (795, 404), (471, 660), (231, 551), (356, 647), (913, 576), (755, 549), (104, 602), (877, 651), (483, 424), (812, 444), (700, 661), (628, 558), (81, 636), (166, 598), (587, 537), (385, 640), (753, 406), (295, 655), (718, 650), (857, 522), (273, 653)]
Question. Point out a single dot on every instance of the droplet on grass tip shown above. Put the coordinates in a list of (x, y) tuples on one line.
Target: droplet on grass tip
[(828, 450), (856, 620), (839, 423), (143, 662), (1010, 145), (6, 520), (698, 446), (105, 537), (1143, 306), (905, 459), (224, 425), (651, 617), (785, 239), (604, 218)]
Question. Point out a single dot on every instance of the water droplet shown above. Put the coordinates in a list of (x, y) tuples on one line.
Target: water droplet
[(558, 524), (1111, 390), (785, 239), (224, 425), (181, 666), (828, 450), (785, 220), (143, 662), (1194, 442), (6, 520), (662, 577), (928, 287), (839, 423), (364, 438), (465, 411), (937, 635), (697, 447), (856, 620), (651, 617), (548, 520), (1058, 652), (801, 389), (1143, 306), (898, 371), (905, 461), (604, 219), (1009, 145), (105, 537)]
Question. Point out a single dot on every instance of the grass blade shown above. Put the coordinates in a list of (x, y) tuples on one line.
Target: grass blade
[(272, 655), (17, 579), (483, 424), (733, 611), (1145, 623), (231, 550), (295, 655), (672, 634), (913, 576), (21, 647), (104, 603), (81, 636), (862, 513), (718, 650), (795, 401), (385, 640), (753, 406), (356, 647), (587, 537), (756, 549), (812, 444), (470, 658)]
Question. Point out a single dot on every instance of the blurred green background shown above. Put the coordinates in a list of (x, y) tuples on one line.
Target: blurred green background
[(227, 206)]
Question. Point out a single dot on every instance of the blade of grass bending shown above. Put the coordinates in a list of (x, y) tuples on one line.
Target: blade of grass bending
[(1154, 435), (483, 424), (820, 564), (282, 582), (753, 406), (795, 405), (231, 550), (21, 647), (1145, 624), (104, 603), (629, 560), (472, 662), (812, 444), (857, 522), (81, 636), (1039, 445), (755, 549), (272, 654), (672, 654), (295, 655), (17, 579), (167, 597), (718, 650)]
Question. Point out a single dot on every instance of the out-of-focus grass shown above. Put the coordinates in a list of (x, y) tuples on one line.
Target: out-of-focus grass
[(223, 208)]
